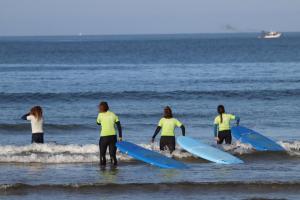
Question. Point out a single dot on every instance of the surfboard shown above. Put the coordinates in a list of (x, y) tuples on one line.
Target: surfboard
[(148, 156), (255, 139), (206, 151)]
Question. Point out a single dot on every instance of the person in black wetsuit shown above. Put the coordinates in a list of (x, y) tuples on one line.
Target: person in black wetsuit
[(222, 129), (108, 137), (168, 124)]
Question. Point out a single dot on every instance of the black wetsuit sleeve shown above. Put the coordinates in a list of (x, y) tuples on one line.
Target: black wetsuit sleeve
[(24, 117), (156, 131), (182, 129), (237, 120), (98, 123), (119, 128)]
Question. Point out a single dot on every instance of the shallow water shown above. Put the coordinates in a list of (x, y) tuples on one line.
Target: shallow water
[(257, 80)]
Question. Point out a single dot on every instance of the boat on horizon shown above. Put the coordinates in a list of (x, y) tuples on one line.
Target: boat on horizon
[(270, 35)]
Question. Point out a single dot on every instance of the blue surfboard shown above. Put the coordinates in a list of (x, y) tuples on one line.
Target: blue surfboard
[(148, 156), (255, 139), (206, 152)]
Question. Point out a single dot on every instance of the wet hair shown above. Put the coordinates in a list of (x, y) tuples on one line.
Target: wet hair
[(168, 112), (37, 112), (221, 110), (104, 106)]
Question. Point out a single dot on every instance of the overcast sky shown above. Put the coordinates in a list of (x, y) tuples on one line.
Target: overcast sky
[(71, 17)]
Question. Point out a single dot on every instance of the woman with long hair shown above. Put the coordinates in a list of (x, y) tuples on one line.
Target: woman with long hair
[(222, 125), (168, 124), (35, 116)]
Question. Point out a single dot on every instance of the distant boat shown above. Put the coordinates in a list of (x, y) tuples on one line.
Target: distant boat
[(270, 35)]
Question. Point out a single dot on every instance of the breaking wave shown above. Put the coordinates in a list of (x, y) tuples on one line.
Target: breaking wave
[(89, 153)]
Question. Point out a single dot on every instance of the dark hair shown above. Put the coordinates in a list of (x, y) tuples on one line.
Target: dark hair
[(168, 112), (37, 112), (104, 105), (221, 110)]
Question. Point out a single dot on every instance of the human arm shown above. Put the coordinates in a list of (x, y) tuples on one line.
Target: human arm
[(24, 117), (216, 127), (237, 119), (98, 120), (182, 129), (156, 132), (119, 127)]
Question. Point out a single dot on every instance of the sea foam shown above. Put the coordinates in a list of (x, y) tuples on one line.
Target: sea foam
[(89, 153)]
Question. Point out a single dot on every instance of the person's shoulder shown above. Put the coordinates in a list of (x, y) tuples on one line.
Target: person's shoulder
[(162, 120), (229, 115), (111, 113), (175, 119), (217, 119), (30, 117)]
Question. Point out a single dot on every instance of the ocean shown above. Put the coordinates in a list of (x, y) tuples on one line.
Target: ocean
[(138, 75)]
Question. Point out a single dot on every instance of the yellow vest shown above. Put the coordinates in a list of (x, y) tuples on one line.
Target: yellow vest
[(168, 126), (225, 124), (107, 120)]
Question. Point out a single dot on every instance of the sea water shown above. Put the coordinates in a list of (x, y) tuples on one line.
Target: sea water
[(257, 80)]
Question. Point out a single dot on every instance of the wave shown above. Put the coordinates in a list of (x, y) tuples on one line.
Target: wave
[(89, 153), (59, 128), (24, 126), (150, 95), (293, 148), (220, 186)]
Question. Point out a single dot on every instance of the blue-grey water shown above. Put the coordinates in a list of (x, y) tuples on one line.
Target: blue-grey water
[(258, 80)]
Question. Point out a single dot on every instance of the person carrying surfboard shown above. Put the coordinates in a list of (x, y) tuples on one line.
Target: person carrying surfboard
[(168, 124), (108, 137), (35, 116), (222, 125)]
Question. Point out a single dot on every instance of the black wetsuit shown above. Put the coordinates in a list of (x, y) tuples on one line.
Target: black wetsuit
[(110, 142), (37, 138), (167, 142), (224, 135)]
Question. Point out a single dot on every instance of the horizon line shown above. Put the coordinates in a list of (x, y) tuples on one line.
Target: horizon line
[(135, 34)]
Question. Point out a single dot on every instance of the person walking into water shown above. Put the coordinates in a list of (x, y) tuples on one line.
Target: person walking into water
[(222, 125), (35, 116), (108, 137), (168, 124)]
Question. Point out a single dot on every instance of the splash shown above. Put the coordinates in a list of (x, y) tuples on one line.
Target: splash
[(293, 148)]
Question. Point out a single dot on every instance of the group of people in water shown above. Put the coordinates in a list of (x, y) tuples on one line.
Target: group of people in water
[(109, 122)]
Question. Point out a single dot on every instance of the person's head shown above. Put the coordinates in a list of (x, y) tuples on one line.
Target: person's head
[(103, 107), (168, 112), (221, 110), (37, 112)]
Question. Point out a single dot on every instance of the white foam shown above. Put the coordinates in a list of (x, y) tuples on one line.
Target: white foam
[(293, 148), (89, 153), (52, 153), (72, 153), (238, 148)]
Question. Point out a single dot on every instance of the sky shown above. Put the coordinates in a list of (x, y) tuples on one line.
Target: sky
[(105, 17)]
